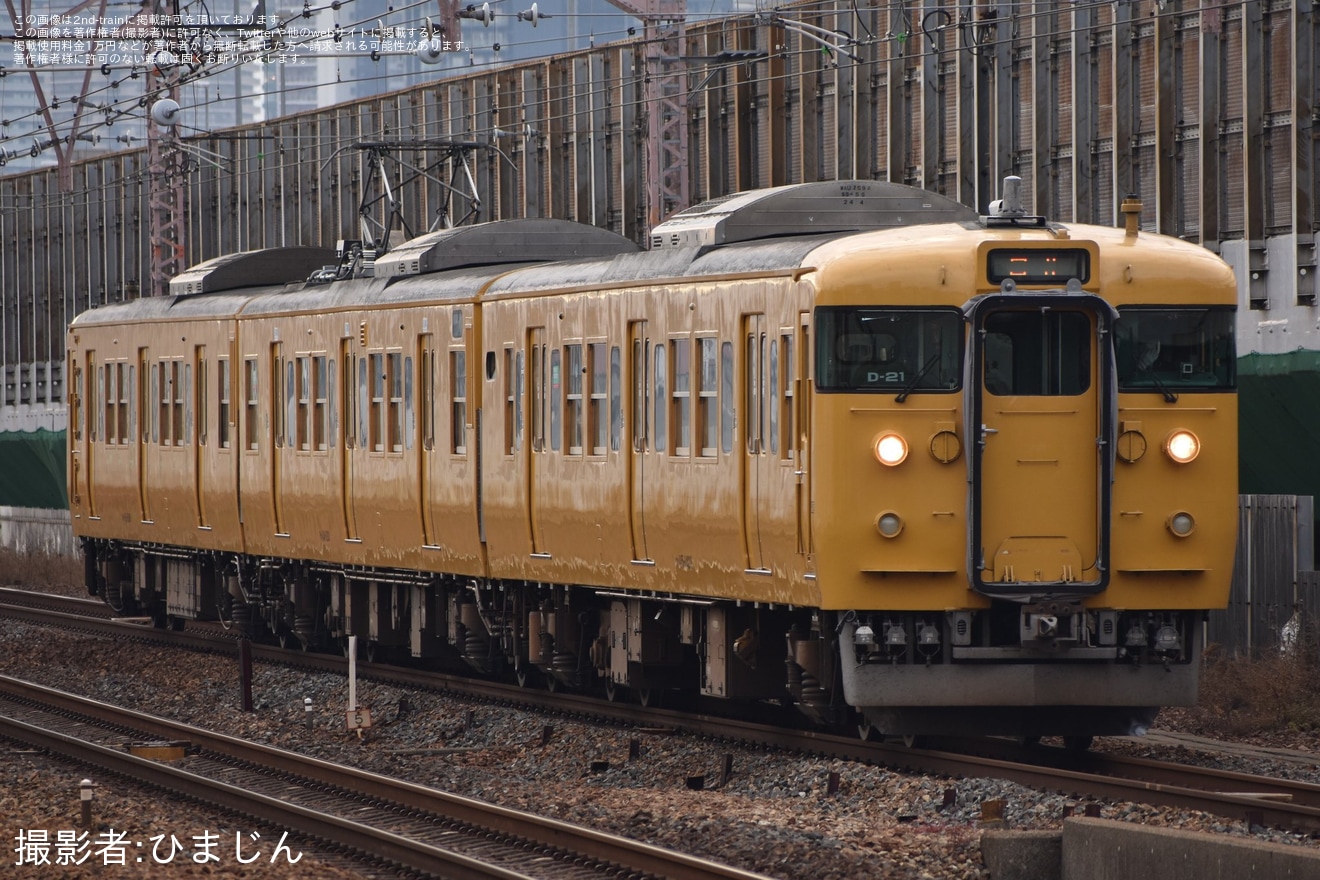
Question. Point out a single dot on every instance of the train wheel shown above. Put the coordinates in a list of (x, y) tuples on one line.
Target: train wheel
[(613, 692), (866, 730), (1078, 744), (520, 676), (551, 684), (286, 638), (175, 623), (913, 741), (647, 697)]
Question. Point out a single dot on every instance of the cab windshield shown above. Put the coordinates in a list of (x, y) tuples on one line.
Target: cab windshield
[(1158, 349), (888, 351)]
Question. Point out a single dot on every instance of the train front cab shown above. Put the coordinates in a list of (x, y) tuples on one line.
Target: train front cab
[(1094, 508)]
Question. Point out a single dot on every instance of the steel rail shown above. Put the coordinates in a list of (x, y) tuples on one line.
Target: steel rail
[(597, 845), (1251, 798)]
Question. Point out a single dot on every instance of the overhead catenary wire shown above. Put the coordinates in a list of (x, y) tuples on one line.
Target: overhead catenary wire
[(893, 14)]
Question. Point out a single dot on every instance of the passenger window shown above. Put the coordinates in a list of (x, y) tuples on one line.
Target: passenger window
[(708, 401), (573, 398), (661, 400), (556, 401), (252, 398), (616, 399), (726, 397), (597, 427), (396, 412), (458, 394), (682, 391), (222, 388)]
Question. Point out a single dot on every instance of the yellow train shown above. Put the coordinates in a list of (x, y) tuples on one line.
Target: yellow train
[(846, 446)]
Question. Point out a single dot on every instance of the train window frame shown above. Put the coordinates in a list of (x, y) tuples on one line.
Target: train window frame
[(397, 423), (708, 396), (640, 359), (201, 396), (831, 367), (223, 402), (110, 394), (409, 427), (556, 399), (154, 404), (788, 379), (458, 397), (680, 390), (1058, 335), (537, 387), (132, 402), (575, 375), (364, 408), (74, 400), (252, 403), (320, 403), (510, 402), (95, 376), (290, 425), (728, 414), (376, 392), (597, 391), (304, 394), (616, 398), (661, 399), (1131, 351), (772, 396), (331, 400)]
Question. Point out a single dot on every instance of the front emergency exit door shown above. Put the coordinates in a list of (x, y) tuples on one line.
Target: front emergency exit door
[(1041, 458)]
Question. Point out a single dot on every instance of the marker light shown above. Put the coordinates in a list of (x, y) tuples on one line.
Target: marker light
[(1182, 446), (889, 524), (890, 449), (1181, 523)]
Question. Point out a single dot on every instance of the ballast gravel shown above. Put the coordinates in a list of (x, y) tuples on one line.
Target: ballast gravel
[(775, 815)]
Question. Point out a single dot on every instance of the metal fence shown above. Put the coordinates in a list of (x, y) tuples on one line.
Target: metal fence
[(1273, 578)]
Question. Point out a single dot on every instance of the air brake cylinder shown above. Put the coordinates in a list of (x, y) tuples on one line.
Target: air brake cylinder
[(476, 642)]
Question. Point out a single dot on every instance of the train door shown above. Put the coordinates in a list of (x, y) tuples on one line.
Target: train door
[(802, 433), (1040, 468), (145, 410), (199, 439), (277, 422), (348, 371), (537, 393), (426, 429), (82, 484), (639, 347), (757, 462)]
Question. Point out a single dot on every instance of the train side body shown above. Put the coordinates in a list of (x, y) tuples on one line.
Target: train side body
[(909, 467)]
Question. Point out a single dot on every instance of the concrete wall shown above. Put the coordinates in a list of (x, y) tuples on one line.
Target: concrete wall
[(1100, 849), (29, 530)]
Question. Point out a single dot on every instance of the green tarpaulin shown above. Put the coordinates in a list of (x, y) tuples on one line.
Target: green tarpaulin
[(1279, 423), (32, 467)]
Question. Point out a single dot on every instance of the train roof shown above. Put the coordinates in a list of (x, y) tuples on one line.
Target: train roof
[(822, 207), (165, 308), (762, 231)]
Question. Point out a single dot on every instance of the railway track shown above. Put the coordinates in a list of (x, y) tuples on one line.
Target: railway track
[(1258, 800), (418, 829)]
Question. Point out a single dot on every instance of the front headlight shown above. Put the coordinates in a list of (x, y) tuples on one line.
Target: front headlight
[(890, 449), (1182, 446)]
